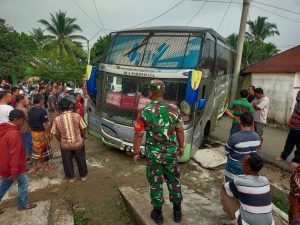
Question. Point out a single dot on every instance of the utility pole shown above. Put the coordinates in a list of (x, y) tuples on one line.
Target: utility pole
[(239, 51), (88, 52)]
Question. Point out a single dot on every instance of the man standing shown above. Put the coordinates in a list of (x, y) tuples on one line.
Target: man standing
[(293, 138), (261, 107), (240, 143), (5, 98), (12, 160), (247, 199), (22, 104), (69, 130), (237, 109), (52, 104), (164, 128), (251, 95), (15, 93)]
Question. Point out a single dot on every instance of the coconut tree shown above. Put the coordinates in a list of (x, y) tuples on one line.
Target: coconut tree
[(62, 35), (39, 38), (260, 29)]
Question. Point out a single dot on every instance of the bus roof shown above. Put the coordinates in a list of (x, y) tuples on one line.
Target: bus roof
[(179, 29)]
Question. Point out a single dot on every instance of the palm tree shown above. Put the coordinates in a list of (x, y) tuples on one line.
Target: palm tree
[(260, 29), (233, 40), (62, 37), (39, 38)]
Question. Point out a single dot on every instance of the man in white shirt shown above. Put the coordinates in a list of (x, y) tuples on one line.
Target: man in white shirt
[(5, 98), (261, 107)]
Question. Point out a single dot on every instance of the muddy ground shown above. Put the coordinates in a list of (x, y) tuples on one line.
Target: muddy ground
[(98, 202)]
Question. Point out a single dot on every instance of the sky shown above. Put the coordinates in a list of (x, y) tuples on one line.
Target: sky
[(23, 15)]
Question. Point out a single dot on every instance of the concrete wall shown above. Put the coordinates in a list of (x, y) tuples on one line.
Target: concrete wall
[(279, 88)]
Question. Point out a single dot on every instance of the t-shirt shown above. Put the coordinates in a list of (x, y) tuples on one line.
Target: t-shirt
[(68, 126), (36, 117), (52, 100), (25, 129), (79, 107), (239, 107), (251, 98), (263, 104), (238, 146), (253, 193), (4, 112)]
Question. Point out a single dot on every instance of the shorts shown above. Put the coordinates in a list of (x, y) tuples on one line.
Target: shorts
[(259, 128)]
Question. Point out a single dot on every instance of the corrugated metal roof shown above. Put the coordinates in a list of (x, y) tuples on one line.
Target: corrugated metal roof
[(284, 62)]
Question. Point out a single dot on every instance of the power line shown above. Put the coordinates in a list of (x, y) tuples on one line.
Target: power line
[(276, 7), (86, 14), (197, 13), (224, 16), (275, 14), (99, 17), (165, 12)]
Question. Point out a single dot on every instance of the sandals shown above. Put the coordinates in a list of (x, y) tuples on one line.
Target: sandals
[(27, 206), (85, 178), (34, 170), (71, 180)]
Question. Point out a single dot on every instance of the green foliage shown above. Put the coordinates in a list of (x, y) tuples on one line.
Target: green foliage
[(281, 204), (99, 48), (255, 49), (80, 218), (14, 52)]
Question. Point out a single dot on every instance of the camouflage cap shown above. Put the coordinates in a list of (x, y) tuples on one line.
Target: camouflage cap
[(156, 85)]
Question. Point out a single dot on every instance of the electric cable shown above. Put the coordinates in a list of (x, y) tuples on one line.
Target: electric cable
[(197, 13), (224, 16), (100, 20), (276, 7)]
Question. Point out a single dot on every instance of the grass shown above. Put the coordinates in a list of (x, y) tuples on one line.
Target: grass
[(281, 204), (80, 218)]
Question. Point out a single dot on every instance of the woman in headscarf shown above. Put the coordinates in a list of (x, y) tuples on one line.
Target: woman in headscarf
[(39, 124)]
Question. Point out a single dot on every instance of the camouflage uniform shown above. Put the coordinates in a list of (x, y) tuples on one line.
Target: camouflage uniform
[(159, 119)]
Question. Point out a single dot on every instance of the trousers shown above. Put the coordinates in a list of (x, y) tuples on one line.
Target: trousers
[(22, 189), (293, 139), (156, 173)]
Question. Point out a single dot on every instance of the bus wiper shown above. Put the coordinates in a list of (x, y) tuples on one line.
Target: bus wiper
[(143, 42)]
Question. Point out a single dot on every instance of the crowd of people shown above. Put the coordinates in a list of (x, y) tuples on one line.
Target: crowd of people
[(30, 115)]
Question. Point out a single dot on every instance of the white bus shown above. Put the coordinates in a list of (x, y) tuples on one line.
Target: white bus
[(137, 56)]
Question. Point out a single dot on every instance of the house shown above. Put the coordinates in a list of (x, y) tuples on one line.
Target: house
[(279, 77)]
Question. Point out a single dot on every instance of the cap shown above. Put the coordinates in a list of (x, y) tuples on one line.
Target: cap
[(156, 85), (70, 98), (16, 114)]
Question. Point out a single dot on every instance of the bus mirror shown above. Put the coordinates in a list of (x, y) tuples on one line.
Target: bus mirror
[(201, 104)]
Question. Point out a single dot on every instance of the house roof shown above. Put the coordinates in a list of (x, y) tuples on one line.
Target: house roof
[(284, 62)]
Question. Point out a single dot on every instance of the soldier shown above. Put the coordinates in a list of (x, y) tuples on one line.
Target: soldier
[(164, 128)]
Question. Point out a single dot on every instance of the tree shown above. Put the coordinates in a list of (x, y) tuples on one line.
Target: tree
[(260, 29), (39, 38), (99, 48), (13, 55), (232, 39), (62, 37)]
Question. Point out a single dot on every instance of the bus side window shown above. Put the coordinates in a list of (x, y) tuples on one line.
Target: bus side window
[(208, 56)]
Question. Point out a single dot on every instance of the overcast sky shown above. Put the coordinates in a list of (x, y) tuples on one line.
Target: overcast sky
[(23, 15)]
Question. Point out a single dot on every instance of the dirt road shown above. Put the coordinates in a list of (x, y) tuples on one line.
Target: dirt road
[(98, 202)]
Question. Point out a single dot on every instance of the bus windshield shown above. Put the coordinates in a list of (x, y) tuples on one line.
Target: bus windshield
[(124, 96), (156, 50)]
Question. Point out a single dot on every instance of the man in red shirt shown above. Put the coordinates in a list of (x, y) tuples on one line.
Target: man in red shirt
[(12, 160)]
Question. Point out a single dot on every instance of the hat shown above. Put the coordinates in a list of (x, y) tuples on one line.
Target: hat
[(156, 85), (70, 98), (16, 114)]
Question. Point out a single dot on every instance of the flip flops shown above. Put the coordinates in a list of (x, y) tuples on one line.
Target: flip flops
[(27, 206)]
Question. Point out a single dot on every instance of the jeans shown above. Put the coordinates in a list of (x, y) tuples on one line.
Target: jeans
[(22, 189), (293, 139), (67, 160), (27, 139)]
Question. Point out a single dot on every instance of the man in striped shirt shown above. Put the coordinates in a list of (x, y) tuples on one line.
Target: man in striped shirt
[(238, 108), (247, 199), (293, 138), (239, 145)]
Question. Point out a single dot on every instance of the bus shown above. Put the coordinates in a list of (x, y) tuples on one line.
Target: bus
[(170, 53)]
